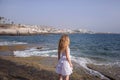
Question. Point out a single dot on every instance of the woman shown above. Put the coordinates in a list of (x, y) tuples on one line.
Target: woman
[(64, 66)]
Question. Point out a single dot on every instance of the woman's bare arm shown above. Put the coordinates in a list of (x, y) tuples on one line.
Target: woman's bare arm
[(68, 57), (58, 55)]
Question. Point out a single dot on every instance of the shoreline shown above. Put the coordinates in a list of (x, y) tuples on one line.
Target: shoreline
[(47, 64), (26, 34), (34, 68)]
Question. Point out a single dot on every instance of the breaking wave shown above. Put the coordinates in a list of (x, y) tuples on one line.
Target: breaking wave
[(11, 43)]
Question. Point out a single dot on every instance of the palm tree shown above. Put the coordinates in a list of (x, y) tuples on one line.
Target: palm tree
[(1, 20), (12, 22)]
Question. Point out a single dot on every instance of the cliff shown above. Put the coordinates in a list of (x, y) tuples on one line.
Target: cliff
[(18, 29)]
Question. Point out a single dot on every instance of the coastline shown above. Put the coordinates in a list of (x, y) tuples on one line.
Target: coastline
[(39, 67), (27, 30), (36, 68)]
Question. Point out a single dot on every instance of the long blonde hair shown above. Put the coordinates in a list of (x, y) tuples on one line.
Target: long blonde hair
[(63, 43)]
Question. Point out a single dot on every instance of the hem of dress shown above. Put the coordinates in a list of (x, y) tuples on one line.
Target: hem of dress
[(64, 74)]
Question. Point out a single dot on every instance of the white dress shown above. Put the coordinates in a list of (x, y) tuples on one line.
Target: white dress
[(63, 67)]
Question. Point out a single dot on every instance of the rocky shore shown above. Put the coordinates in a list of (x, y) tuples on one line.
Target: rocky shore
[(43, 68), (36, 68)]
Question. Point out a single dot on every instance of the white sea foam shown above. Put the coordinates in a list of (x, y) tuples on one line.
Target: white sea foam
[(33, 52), (53, 56), (83, 62), (116, 63), (11, 43)]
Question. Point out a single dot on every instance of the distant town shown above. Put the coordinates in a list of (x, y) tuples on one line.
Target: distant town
[(8, 27), (21, 29)]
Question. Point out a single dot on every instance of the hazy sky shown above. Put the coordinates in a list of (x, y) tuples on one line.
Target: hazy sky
[(95, 15)]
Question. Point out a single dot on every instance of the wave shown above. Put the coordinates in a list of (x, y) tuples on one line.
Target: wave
[(11, 43), (33, 52), (83, 63), (115, 63)]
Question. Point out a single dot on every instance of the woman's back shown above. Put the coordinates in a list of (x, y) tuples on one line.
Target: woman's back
[(63, 54), (63, 67)]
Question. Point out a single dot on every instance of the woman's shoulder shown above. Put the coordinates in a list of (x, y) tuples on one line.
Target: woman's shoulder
[(67, 49)]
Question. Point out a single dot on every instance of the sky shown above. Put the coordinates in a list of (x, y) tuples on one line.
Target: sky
[(94, 15)]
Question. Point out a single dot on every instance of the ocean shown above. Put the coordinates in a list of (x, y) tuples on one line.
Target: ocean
[(85, 48)]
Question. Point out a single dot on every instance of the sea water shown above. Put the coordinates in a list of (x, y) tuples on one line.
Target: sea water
[(85, 48)]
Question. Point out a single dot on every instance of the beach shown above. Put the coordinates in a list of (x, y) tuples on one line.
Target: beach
[(36, 68), (43, 68), (32, 68)]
